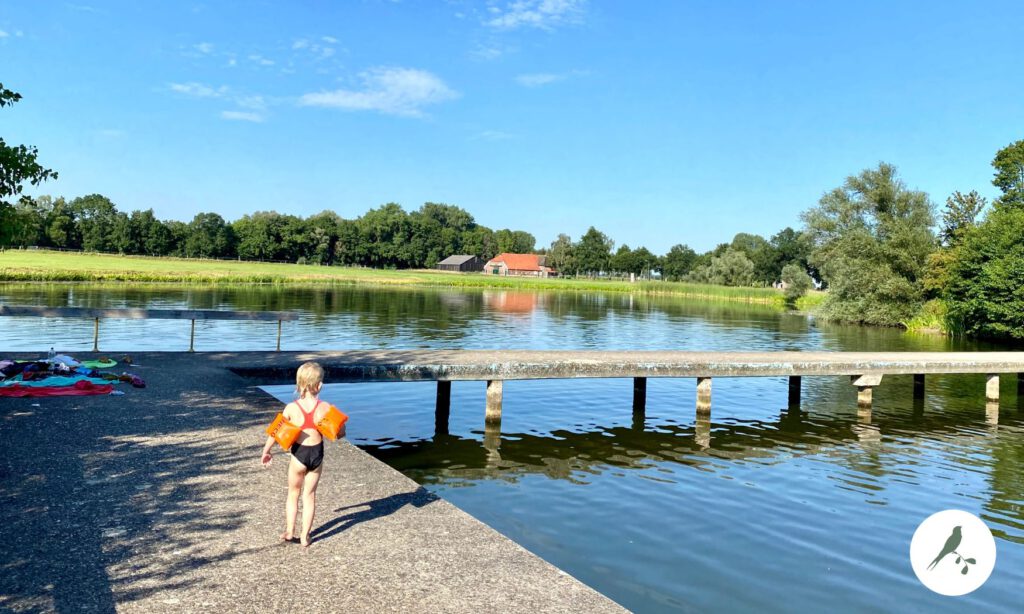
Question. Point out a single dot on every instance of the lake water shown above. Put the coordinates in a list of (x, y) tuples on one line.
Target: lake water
[(762, 507)]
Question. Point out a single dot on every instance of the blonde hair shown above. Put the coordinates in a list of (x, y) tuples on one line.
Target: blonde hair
[(309, 378)]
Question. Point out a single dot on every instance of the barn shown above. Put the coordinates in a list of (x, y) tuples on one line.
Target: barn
[(462, 264), (532, 265)]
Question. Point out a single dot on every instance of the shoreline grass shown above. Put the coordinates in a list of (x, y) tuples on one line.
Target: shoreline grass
[(17, 266)]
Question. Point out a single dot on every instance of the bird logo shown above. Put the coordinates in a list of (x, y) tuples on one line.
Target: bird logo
[(937, 552), (952, 543)]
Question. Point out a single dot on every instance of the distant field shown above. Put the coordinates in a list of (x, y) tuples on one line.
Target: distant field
[(41, 265)]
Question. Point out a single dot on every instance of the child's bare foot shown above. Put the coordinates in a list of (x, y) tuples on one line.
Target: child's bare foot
[(305, 541), (286, 536)]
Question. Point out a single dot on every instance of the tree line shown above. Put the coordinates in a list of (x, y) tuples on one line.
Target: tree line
[(387, 236)]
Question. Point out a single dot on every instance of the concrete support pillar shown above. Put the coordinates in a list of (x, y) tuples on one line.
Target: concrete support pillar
[(992, 412), (442, 408), (704, 395), (493, 412), (865, 385), (919, 386), (992, 388), (794, 391), (702, 430)]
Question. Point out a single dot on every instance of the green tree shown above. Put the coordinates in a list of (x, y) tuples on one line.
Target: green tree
[(593, 252), (788, 246), (797, 281), (732, 268), (959, 216), (561, 255), (94, 218), (18, 165), (984, 270), (1009, 177), (678, 262), (871, 238), (208, 236)]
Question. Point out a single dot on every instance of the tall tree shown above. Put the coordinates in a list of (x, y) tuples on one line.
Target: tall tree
[(871, 238), (94, 217), (561, 255), (18, 165), (678, 262), (959, 216), (1009, 176), (208, 237), (594, 251)]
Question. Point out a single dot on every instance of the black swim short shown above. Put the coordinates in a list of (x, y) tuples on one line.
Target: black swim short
[(310, 456)]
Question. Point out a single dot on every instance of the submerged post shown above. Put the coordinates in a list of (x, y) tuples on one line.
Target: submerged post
[(704, 395), (1020, 385), (992, 412), (639, 395), (702, 430), (442, 408), (493, 411), (865, 384), (794, 390), (919, 386), (96, 336), (992, 388), (279, 335), (192, 338)]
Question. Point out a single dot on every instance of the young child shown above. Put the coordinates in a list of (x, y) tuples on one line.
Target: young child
[(308, 451)]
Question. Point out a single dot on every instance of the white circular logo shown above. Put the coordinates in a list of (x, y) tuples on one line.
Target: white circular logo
[(953, 552)]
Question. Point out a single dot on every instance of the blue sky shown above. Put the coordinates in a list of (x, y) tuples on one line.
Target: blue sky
[(659, 122)]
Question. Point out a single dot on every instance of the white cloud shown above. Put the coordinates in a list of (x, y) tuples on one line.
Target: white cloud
[(245, 116), (262, 61), (111, 133), (203, 47), (330, 40), (542, 14), (251, 102), (19, 33), (3, 34), (395, 91), (494, 135), (198, 90), (539, 79), (300, 44)]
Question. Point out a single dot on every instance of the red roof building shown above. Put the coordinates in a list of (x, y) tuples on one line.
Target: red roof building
[(519, 264)]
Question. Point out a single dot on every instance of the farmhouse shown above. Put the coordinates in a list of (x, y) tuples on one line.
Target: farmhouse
[(461, 264), (519, 264)]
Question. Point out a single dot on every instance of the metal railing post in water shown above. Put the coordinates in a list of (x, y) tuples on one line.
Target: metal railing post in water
[(442, 407), (192, 338), (96, 335), (919, 386), (279, 335), (794, 391)]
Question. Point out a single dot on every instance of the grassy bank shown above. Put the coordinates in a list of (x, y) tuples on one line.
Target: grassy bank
[(47, 266)]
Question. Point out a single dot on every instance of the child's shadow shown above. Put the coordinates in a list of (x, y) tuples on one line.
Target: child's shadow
[(375, 509)]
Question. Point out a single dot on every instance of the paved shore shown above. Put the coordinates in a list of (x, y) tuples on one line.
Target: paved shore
[(155, 501)]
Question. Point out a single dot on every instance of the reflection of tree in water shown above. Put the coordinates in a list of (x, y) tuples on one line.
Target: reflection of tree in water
[(1006, 480)]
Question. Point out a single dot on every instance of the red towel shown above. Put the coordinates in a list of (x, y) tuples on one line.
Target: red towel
[(79, 389)]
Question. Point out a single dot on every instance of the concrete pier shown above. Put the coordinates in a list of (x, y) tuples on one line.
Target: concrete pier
[(992, 388), (703, 395), (493, 409), (155, 502)]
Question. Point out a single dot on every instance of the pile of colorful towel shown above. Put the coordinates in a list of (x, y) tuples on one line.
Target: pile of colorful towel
[(62, 375)]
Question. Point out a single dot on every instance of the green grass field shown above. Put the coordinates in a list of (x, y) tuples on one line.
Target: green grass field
[(50, 266)]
